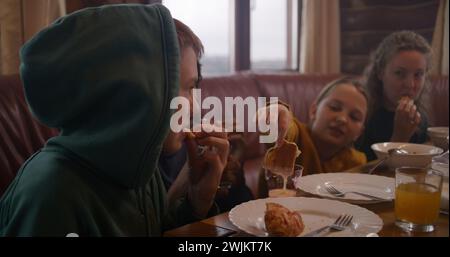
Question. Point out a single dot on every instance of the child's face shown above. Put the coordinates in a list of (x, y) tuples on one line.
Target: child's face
[(404, 75), (188, 81), (339, 118)]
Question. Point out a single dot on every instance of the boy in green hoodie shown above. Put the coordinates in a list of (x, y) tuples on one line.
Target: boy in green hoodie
[(105, 78)]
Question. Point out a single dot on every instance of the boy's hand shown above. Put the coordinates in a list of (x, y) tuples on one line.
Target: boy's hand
[(206, 168)]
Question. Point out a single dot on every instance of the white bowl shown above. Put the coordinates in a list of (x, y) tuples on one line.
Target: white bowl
[(439, 136), (417, 155)]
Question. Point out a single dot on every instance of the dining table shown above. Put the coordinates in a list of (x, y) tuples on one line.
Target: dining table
[(221, 226)]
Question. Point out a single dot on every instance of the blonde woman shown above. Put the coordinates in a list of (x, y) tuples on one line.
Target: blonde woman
[(397, 82)]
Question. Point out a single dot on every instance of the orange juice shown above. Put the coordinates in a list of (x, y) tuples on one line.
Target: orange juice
[(417, 203), (282, 193)]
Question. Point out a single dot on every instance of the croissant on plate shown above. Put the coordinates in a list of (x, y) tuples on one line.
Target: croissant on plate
[(280, 221)]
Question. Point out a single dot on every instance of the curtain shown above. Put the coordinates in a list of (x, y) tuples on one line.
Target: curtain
[(440, 41), (445, 60), (19, 21), (438, 38), (320, 47)]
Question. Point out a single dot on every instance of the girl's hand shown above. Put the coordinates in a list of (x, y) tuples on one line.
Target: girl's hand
[(284, 119)]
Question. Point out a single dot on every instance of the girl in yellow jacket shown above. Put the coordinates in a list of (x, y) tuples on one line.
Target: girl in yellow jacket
[(337, 119)]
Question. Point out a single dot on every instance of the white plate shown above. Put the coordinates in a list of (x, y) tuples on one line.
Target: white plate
[(380, 186), (315, 213)]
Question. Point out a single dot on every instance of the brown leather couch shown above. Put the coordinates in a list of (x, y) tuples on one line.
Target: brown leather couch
[(21, 135)]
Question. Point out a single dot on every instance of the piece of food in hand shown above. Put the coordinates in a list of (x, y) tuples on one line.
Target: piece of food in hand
[(405, 99), (201, 149), (280, 221), (190, 135), (282, 157)]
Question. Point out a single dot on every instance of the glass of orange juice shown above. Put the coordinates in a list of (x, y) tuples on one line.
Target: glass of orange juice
[(282, 183), (417, 198)]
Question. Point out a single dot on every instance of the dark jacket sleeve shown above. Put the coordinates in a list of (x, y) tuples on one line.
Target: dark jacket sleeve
[(29, 215), (180, 213)]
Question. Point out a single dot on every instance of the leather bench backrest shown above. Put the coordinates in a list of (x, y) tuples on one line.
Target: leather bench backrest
[(238, 85), (438, 102), (299, 91), (20, 134)]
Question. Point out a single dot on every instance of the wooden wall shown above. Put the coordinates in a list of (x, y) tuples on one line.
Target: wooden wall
[(364, 23)]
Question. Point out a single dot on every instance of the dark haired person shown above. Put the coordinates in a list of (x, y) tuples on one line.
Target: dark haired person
[(397, 82)]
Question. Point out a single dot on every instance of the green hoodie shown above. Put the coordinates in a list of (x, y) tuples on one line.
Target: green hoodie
[(105, 77)]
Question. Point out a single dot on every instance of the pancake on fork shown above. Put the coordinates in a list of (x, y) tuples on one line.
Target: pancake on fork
[(282, 158)]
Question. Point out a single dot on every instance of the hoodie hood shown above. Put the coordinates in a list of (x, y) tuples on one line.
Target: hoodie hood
[(105, 77)]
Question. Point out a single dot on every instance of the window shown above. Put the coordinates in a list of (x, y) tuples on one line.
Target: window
[(210, 21), (271, 45), (273, 34)]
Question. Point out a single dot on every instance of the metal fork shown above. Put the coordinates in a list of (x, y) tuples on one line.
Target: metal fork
[(340, 224), (332, 190)]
